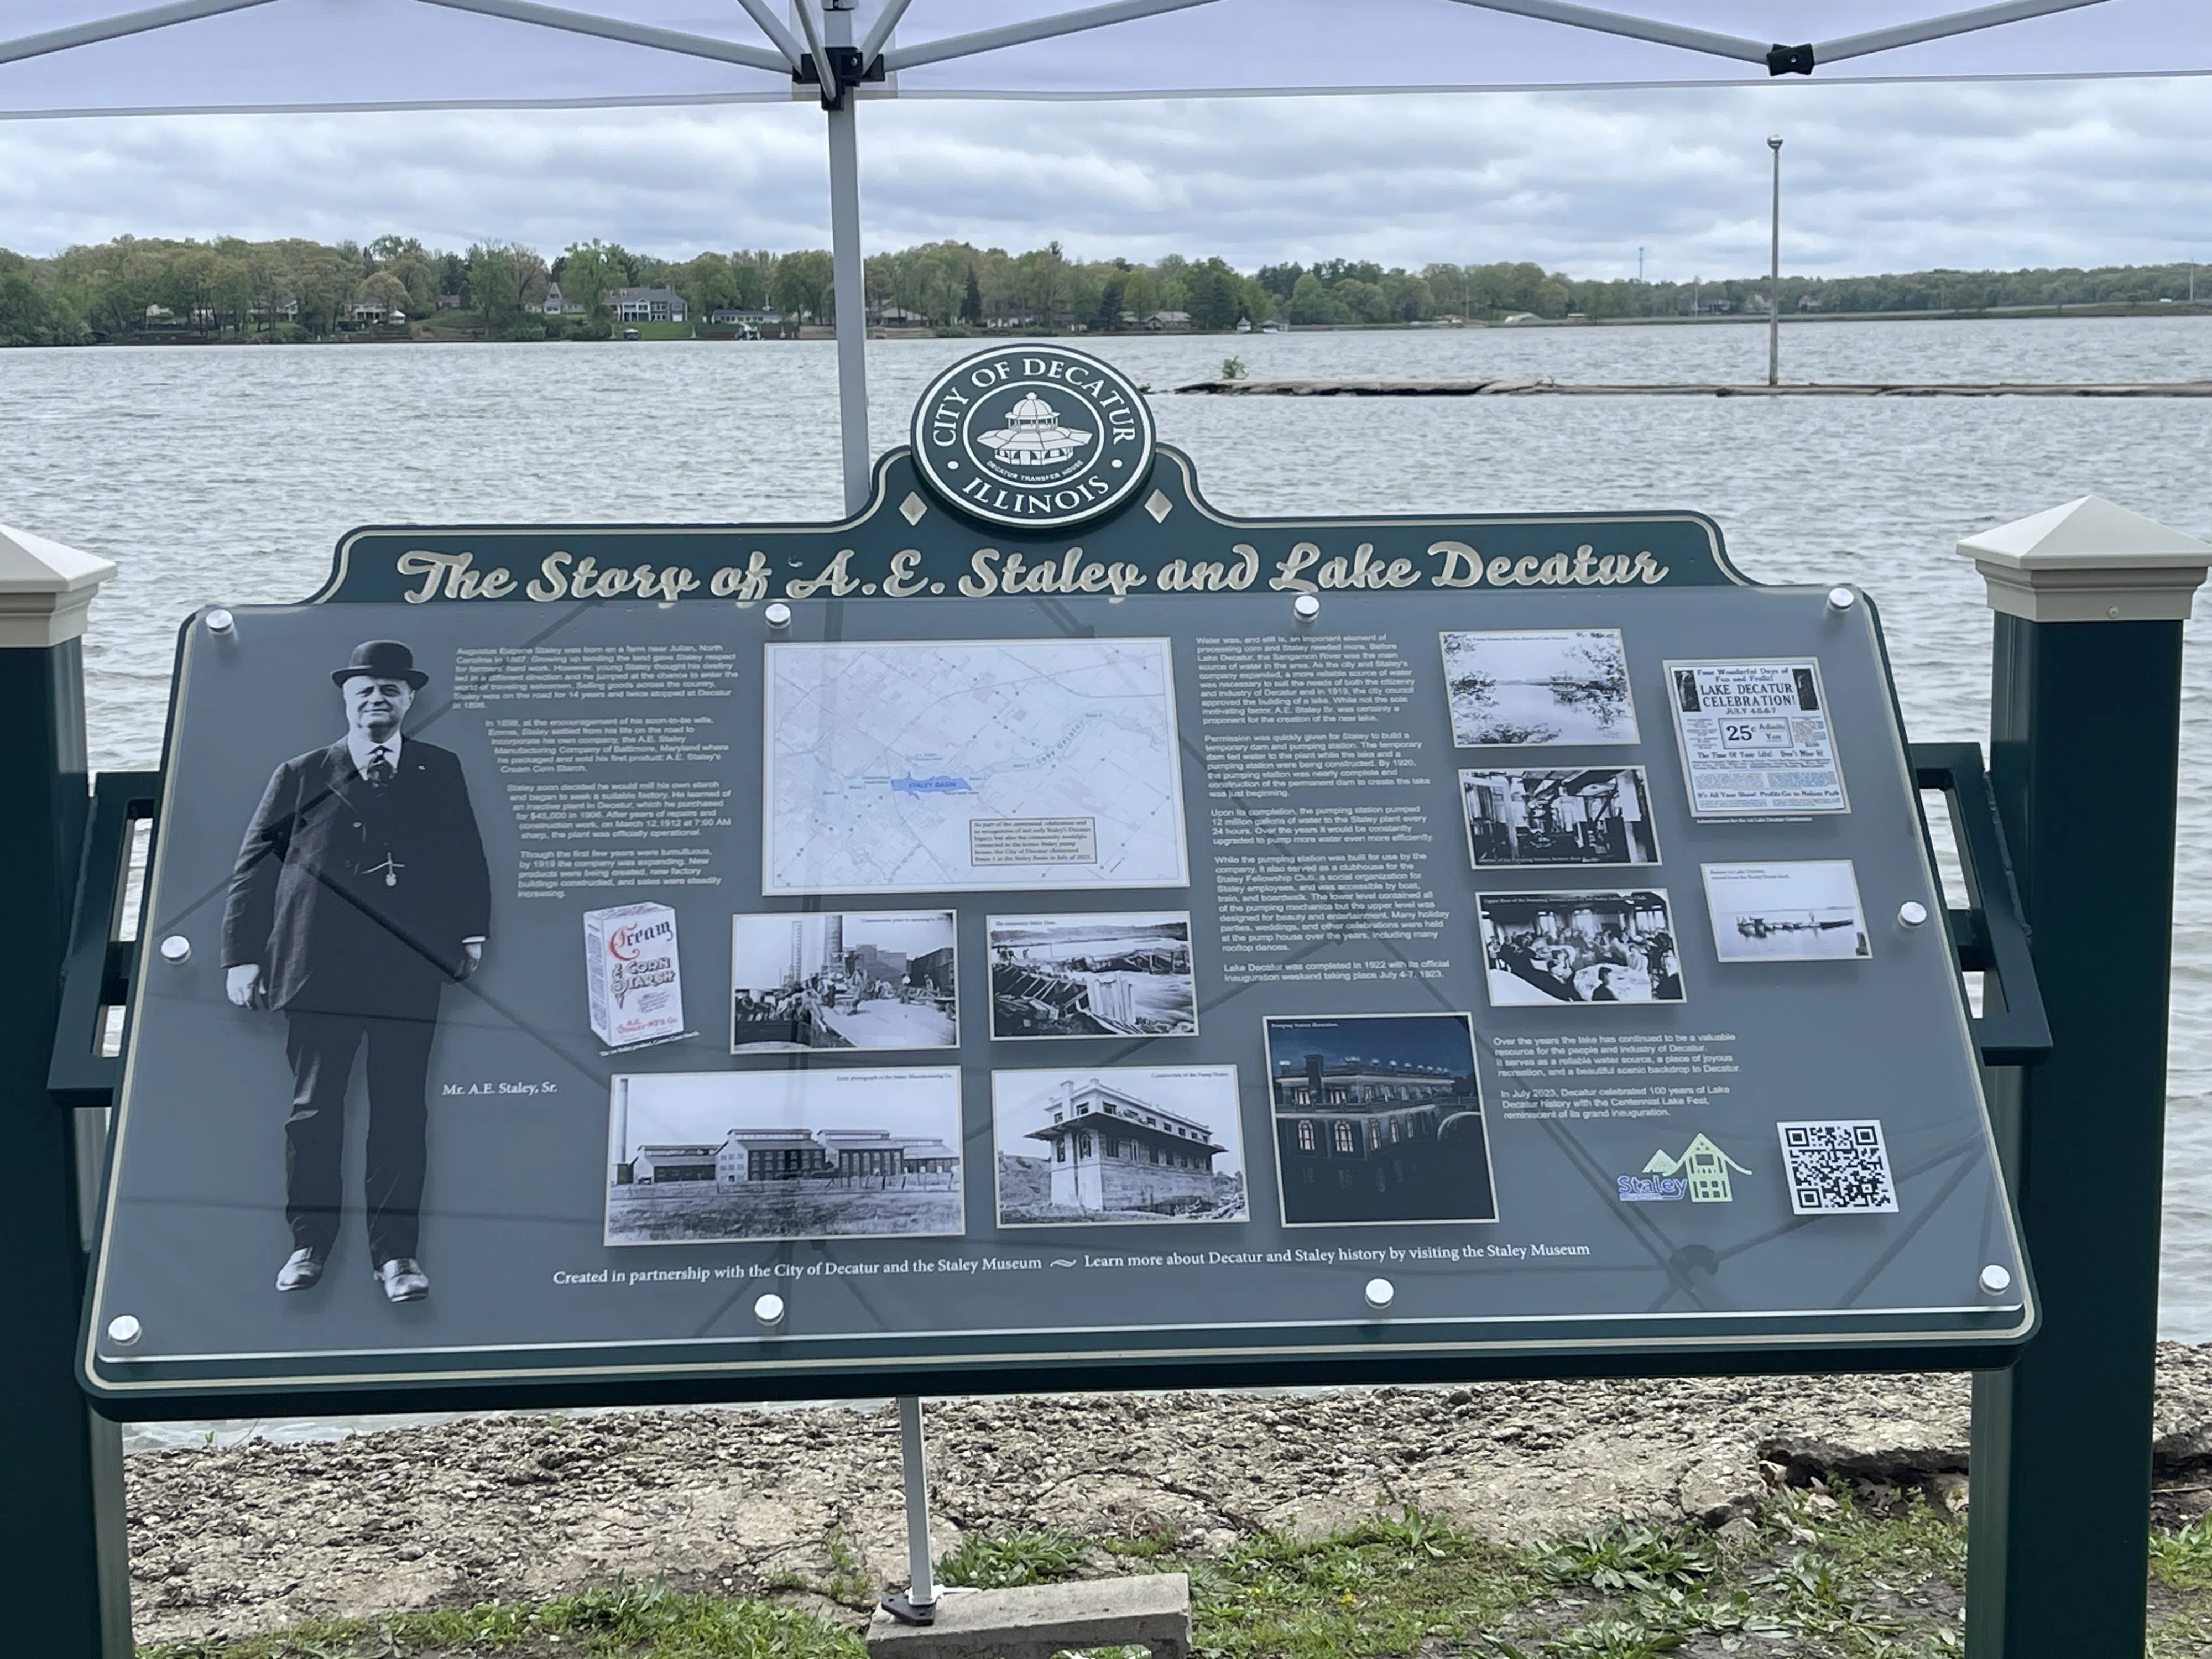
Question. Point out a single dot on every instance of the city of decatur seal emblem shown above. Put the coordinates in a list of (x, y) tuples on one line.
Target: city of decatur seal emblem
[(1037, 437)]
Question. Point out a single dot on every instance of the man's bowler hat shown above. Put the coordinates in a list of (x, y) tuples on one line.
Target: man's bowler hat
[(382, 659)]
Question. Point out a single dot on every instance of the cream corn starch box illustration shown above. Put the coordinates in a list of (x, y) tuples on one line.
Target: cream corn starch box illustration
[(636, 983)]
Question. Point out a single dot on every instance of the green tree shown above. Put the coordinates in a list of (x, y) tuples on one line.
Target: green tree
[(1216, 296), (804, 285), (707, 283), (751, 277), (494, 288), (590, 273), (971, 300), (389, 291), (1312, 303)]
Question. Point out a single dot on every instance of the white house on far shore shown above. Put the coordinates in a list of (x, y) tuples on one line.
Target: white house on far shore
[(648, 305)]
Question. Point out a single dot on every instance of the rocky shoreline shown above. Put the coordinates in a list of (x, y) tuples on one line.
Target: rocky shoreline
[(250, 1538)]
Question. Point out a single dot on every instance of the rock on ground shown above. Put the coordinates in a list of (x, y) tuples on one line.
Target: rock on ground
[(225, 1542)]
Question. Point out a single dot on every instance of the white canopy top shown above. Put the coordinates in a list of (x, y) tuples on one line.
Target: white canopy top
[(106, 57)]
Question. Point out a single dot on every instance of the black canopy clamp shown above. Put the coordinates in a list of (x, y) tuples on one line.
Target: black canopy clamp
[(845, 71), (1790, 60), (1991, 937), (99, 969)]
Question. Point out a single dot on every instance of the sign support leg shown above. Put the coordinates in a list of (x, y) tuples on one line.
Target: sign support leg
[(919, 1605), (62, 1530), (2086, 683)]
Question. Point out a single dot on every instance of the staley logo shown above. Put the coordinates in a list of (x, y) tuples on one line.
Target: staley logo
[(1039, 439)]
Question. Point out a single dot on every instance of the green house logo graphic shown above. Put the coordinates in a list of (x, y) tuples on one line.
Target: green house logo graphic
[(1705, 1166)]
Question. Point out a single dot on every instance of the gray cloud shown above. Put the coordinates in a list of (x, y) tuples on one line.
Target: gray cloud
[(1878, 178)]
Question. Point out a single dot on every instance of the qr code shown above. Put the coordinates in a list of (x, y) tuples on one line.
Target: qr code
[(1838, 1168)]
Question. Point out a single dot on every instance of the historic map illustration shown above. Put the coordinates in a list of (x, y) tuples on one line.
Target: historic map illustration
[(917, 767)]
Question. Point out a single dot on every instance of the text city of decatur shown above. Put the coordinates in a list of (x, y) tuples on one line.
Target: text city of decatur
[(1302, 570)]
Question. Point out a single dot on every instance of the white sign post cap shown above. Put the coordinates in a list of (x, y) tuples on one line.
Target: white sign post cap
[(2089, 561), (45, 589)]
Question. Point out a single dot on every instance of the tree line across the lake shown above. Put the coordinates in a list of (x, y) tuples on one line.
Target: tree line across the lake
[(295, 290)]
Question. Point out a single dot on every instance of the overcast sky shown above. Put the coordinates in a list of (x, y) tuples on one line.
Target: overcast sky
[(1876, 177)]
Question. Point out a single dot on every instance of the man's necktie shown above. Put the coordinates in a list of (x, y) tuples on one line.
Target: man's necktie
[(379, 768)]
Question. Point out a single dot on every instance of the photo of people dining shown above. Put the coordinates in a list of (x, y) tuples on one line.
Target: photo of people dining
[(1546, 948)]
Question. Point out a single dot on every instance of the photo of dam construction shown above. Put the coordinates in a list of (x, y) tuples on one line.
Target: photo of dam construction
[(1106, 974)]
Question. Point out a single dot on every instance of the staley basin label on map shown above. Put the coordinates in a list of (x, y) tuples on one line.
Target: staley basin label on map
[(1035, 470)]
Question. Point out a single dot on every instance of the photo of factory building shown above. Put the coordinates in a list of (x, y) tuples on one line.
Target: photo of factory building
[(1378, 1118), (1118, 1144)]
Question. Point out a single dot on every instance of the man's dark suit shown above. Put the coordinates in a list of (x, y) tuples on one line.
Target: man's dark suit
[(354, 902)]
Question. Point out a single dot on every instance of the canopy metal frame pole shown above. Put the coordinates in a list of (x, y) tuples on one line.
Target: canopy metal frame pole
[(919, 1605), (852, 300), (848, 262), (1774, 275)]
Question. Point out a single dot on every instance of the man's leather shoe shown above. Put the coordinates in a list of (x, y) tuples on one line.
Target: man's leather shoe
[(300, 1271), (403, 1280)]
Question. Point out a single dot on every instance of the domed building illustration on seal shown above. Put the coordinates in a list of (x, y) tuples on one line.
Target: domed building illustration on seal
[(1033, 435)]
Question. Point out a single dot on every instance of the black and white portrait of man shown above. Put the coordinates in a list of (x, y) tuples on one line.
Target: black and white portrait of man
[(361, 892)]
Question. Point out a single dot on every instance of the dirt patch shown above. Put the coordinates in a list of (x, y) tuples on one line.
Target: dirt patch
[(254, 1537)]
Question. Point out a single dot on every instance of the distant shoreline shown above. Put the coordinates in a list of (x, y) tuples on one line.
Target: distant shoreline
[(824, 334)]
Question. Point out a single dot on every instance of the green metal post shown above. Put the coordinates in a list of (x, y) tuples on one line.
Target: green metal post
[(2086, 710), (62, 1524)]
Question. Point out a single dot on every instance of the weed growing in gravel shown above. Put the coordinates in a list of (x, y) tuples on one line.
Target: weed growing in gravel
[(2182, 1559), (1146, 1547), (1628, 1555), (1018, 1555)]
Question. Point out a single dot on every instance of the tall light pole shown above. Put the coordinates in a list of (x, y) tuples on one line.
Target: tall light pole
[(1774, 275)]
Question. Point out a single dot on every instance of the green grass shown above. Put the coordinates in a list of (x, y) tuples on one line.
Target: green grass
[(1821, 1577), (1018, 1555), (621, 1619)]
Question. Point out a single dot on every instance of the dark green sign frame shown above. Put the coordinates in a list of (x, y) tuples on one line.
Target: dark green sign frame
[(1167, 566)]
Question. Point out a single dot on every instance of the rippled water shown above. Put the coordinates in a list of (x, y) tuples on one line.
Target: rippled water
[(228, 474)]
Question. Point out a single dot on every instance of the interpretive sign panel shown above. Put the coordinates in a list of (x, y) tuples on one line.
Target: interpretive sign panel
[(907, 953)]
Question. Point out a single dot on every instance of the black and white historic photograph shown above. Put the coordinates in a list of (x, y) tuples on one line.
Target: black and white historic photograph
[(360, 893), (1581, 815), (1378, 1118), (1531, 687), (1110, 975), (1127, 1145), (728, 1158), (851, 979), (1807, 912), (1605, 947)]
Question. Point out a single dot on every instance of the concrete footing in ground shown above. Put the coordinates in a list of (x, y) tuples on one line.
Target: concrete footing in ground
[(1038, 1620)]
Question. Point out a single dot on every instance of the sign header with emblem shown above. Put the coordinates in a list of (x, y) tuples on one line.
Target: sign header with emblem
[(1042, 438)]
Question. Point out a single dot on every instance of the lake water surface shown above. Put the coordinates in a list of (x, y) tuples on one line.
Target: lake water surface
[(228, 474)]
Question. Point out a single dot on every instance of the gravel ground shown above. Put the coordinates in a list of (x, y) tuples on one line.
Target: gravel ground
[(227, 1542)]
